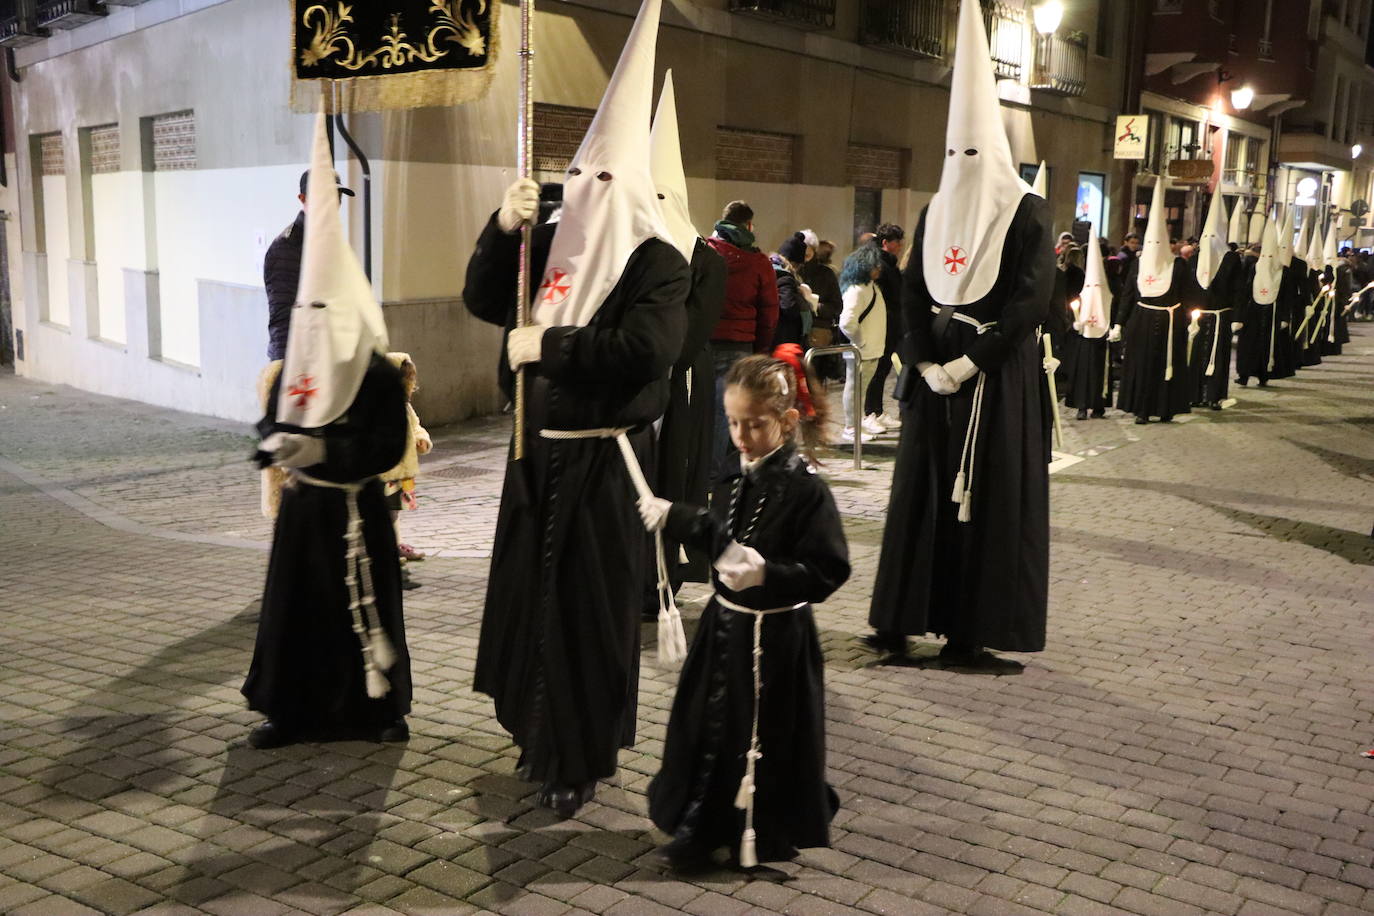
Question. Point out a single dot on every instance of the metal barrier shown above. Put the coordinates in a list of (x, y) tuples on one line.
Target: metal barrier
[(856, 421)]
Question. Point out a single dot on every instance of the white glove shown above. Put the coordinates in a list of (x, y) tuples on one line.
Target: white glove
[(938, 379), (740, 567), (1050, 363), (1237, 325), (1311, 310), (523, 345), (294, 450), (1283, 324), (811, 298), (1114, 334), (961, 369), (1078, 326), (519, 205), (653, 512)]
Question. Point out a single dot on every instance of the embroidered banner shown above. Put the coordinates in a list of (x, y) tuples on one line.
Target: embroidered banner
[(384, 54)]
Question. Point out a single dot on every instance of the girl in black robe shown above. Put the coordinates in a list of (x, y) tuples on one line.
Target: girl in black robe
[(780, 510), (307, 672), (1209, 359)]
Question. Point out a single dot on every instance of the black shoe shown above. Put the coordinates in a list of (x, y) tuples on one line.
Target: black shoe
[(685, 853), (564, 800), (408, 583), (1099, 414), (1264, 384), (1082, 414), (1168, 419), (973, 658), (395, 732), (271, 734), (885, 643), (1141, 421), (1242, 382), (1215, 405)]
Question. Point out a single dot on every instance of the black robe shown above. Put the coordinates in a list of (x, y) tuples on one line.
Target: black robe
[(798, 532), (684, 455), (1258, 343), (1332, 331), (559, 646), (1308, 314), (1209, 357), (1089, 385), (307, 668), (1147, 341), (985, 581), (1289, 309)]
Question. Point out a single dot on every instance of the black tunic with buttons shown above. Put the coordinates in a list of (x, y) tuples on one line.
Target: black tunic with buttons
[(784, 511)]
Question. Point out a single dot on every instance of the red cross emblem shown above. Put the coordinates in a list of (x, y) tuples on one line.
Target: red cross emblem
[(956, 260), (555, 287), (303, 390), (1264, 292), (1151, 279)]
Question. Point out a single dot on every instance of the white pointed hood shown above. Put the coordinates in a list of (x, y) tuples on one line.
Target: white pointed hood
[(336, 323), (1315, 249), (1264, 289), (1331, 249), (967, 220), (669, 178), (1095, 301), (1155, 270), (1239, 229), (1212, 245), (1286, 236), (610, 206), (1041, 185), (1257, 221)]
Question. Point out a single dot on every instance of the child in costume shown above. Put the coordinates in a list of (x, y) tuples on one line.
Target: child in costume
[(400, 480), (744, 756)]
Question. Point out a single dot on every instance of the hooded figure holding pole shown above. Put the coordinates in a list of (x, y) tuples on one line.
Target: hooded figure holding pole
[(966, 549), (330, 659), (1219, 273), (1154, 377), (559, 646)]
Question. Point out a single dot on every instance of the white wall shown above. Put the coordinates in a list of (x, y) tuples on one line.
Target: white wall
[(57, 245), (116, 212)]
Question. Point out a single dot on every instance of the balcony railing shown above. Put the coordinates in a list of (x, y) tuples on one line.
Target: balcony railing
[(802, 14), (1061, 63), (1241, 178), (1006, 25), (68, 14), (17, 25), (916, 27)]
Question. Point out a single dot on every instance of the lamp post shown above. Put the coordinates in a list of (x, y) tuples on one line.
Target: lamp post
[(1047, 17)]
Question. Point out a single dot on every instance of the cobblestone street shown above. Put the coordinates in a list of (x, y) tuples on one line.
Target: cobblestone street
[(1188, 743)]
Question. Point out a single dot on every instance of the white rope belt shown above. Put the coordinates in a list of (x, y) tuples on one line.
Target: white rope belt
[(1168, 353), (378, 654), (1216, 337), (744, 798), (672, 639), (963, 479)]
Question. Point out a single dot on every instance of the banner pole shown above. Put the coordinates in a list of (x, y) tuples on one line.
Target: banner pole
[(524, 164)]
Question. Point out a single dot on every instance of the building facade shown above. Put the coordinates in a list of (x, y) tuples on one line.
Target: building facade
[(155, 157)]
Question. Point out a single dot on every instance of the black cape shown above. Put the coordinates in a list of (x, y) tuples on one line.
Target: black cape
[(684, 456), (1258, 334), (799, 534), (307, 668), (984, 581), (1147, 341), (559, 645), (1209, 357)]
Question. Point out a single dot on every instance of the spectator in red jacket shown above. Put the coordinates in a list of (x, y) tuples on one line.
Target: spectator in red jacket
[(750, 315)]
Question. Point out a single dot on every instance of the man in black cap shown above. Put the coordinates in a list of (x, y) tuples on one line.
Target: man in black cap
[(281, 273)]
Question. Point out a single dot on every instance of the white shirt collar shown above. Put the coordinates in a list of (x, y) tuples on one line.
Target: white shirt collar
[(748, 467)]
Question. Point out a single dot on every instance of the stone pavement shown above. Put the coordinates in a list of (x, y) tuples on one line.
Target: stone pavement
[(1188, 743)]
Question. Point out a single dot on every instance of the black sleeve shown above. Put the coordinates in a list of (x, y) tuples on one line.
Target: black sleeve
[(645, 341), (281, 269), (1032, 273), (1130, 293), (819, 564), (489, 287), (788, 296), (697, 528), (704, 302), (918, 343), (832, 303)]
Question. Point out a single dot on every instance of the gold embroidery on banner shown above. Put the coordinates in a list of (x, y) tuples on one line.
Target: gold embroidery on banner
[(331, 37)]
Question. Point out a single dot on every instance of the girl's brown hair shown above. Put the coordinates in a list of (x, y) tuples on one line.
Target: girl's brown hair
[(784, 384)]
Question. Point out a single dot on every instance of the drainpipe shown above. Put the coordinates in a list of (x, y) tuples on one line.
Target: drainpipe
[(367, 192)]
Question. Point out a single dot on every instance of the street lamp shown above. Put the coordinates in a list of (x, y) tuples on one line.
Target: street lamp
[(1242, 97), (1048, 16), (1355, 151)]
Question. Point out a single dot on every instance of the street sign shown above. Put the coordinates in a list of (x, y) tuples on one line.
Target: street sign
[(1359, 207), (1131, 134)]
